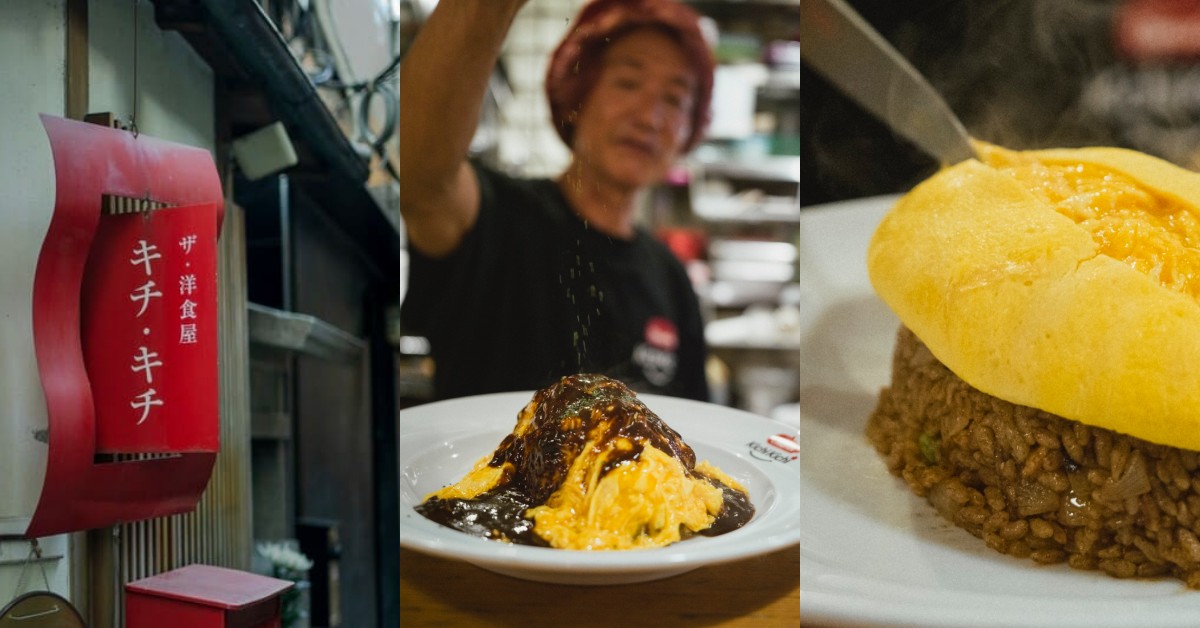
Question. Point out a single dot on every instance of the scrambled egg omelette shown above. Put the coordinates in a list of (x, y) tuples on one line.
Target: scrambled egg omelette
[(588, 466)]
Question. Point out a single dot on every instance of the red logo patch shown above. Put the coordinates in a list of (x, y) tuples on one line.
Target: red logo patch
[(662, 334), (784, 442)]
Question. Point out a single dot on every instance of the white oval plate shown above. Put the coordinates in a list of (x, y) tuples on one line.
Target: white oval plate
[(440, 441), (873, 554)]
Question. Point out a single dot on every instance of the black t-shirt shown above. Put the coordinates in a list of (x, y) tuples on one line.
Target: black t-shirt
[(532, 294)]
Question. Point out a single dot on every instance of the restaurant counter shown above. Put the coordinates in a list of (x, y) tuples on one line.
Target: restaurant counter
[(759, 591)]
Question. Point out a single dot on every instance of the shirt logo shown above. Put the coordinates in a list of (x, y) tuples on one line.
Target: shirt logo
[(655, 355), (661, 334)]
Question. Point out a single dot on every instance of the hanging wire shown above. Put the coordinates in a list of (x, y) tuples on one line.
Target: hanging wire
[(35, 555), (378, 141), (117, 575), (326, 79), (380, 87), (133, 116)]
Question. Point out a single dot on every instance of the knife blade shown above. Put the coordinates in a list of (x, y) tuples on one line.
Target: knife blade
[(842, 47)]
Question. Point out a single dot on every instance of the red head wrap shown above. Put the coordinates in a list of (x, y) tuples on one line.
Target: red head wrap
[(575, 65)]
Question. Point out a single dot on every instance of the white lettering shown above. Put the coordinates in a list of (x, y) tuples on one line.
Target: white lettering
[(187, 242), (143, 254), (145, 361), (187, 284), (657, 365), (143, 402), (143, 294)]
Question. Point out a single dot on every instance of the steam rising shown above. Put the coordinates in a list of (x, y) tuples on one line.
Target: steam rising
[(1014, 71)]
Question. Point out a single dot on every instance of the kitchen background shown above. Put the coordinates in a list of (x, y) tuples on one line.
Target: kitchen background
[(729, 210)]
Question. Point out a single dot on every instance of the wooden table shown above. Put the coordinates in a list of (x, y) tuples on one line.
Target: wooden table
[(761, 591)]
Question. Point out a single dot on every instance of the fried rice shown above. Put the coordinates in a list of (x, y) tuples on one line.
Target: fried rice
[(1035, 485)]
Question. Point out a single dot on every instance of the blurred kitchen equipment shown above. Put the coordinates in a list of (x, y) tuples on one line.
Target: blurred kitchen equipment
[(763, 388), (841, 46)]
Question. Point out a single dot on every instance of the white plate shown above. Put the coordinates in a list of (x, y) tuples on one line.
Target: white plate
[(871, 553), (440, 441)]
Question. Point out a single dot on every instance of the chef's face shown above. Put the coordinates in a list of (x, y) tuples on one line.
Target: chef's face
[(637, 117)]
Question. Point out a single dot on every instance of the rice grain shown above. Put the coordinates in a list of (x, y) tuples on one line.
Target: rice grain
[(1035, 485)]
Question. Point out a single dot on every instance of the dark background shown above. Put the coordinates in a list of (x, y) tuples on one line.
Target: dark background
[(1019, 73)]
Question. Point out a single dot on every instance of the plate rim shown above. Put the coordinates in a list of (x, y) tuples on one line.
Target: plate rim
[(835, 594), (782, 520)]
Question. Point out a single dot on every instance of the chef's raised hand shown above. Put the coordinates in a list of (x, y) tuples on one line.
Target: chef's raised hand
[(443, 80)]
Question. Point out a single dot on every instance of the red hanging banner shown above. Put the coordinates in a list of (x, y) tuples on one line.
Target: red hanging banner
[(149, 316), (125, 319)]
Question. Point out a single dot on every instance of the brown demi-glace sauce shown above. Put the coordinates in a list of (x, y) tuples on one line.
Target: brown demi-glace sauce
[(542, 456)]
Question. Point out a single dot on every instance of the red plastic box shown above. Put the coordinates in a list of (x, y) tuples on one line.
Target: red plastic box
[(203, 596)]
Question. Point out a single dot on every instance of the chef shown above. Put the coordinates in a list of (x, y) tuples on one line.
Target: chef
[(517, 282)]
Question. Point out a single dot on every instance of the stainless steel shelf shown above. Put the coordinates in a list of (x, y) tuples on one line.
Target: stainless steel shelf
[(302, 333), (767, 168)]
